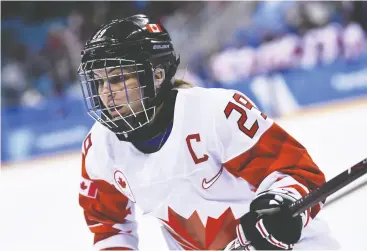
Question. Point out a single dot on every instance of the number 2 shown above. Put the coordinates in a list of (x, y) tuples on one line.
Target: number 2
[(250, 132)]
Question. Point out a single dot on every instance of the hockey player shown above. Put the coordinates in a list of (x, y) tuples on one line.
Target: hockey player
[(202, 161)]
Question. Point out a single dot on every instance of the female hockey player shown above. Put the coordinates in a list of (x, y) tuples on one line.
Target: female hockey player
[(202, 161)]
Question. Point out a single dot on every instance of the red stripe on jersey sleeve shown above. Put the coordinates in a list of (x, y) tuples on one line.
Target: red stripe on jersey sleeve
[(109, 207), (102, 236), (102, 212), (276, 150)]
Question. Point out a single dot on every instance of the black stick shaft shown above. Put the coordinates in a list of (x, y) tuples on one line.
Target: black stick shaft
[(329, 187)]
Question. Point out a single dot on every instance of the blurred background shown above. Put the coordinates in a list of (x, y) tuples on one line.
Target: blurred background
[(286, 56), (303, 63)]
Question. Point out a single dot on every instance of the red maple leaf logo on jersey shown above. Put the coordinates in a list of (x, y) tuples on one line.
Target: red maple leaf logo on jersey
[(216, 233), (83, 186), (122, 183)]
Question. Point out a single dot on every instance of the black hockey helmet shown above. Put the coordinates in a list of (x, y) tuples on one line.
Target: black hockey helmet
[(137, 48)]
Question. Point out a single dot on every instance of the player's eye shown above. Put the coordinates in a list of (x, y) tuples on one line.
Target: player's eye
[(115, 79)]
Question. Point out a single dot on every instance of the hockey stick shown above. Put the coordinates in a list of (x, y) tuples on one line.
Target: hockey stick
[(324, 191), (344, 193), (316, 196)]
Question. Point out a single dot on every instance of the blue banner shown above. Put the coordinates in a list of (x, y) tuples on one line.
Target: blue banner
[(334, 82), (281, 92), (30, 132)]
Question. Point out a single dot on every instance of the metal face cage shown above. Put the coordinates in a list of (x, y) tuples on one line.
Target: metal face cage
[(116, 92)]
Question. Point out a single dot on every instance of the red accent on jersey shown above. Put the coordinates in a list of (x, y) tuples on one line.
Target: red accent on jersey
[(276, 151), (83, 186), (90, 187), (105, 210), (105, 235), (116, 248), (278, 179), (214, 236), (87, 144), (242, 120), (128, 211), (206, 184), (177, 223), (195, 137), (219, 232), (122, 183), (247, 103)]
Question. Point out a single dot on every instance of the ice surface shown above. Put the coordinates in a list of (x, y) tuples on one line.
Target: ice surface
[(39, 208)]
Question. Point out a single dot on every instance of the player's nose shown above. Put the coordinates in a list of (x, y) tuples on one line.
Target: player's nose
[(108, 91)]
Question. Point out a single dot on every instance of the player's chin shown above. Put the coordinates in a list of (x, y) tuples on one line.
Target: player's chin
[(115, 113)]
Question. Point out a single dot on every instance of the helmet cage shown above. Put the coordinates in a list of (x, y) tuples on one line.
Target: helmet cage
[(128, 109)]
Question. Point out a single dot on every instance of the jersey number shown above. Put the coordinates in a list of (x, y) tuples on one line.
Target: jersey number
[(242, 120)]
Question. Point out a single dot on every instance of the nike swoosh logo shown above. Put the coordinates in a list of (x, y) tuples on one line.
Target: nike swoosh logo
[(206, 184)]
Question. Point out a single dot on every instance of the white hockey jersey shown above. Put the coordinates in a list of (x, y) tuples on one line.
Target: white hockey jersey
[(221, 152)]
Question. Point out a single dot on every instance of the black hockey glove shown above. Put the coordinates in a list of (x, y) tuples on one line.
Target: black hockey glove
[(271, 232)]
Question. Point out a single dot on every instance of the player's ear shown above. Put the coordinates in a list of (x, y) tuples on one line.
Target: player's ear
[(159, 76)]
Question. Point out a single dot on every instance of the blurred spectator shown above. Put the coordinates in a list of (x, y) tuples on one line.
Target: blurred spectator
[(13, 70), (355, 11), (282, 34), (14, 82), (30, 74), (309, 15), (56, 52), (269, 18)]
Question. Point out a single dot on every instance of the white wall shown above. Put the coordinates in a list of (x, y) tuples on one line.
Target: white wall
[(39, 207)]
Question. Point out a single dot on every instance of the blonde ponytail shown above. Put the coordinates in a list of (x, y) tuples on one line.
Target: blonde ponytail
[(181, 84)]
